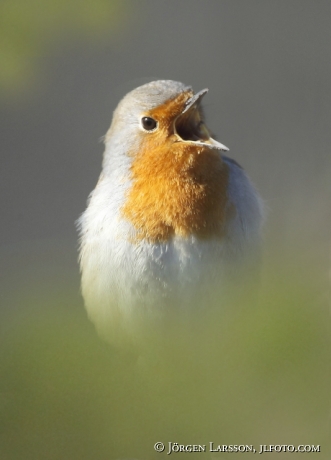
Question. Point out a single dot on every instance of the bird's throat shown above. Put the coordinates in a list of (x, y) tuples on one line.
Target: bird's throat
[(177, 191)]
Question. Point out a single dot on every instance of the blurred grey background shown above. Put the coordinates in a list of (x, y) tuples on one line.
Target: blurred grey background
[(266, 63), (64, 66)]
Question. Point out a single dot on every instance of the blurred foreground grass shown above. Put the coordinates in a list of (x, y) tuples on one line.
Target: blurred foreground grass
[(258, 374)]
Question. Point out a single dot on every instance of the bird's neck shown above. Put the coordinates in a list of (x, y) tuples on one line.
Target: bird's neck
[(178, 192)]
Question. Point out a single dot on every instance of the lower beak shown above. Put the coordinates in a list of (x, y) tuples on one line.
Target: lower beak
[(217, 145)]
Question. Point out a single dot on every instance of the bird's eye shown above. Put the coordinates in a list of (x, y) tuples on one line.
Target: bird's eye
[(148, 123)]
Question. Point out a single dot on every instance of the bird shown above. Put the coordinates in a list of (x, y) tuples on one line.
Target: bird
[(171, 221)]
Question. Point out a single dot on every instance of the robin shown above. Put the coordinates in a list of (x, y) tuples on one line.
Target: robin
[(171, 219)]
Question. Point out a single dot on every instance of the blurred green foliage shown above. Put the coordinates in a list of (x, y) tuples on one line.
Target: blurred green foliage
[(28, 28), (257, 373)]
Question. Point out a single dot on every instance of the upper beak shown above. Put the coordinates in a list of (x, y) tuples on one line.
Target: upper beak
[(192, 100), (205, 138)]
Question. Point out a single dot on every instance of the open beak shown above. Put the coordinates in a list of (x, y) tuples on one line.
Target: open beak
[(189, 126)]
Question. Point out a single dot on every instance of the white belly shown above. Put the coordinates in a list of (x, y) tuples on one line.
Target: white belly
[(126, 284)]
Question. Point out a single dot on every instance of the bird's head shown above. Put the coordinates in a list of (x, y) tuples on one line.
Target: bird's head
[(162, 113)]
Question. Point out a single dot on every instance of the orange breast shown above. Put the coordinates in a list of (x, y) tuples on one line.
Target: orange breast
[(177, 189)]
